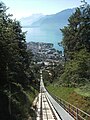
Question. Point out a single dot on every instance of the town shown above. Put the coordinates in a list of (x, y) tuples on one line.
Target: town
[(45, 53)]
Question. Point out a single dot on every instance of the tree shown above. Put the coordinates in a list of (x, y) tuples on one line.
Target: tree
[(76, 43), (14, 69), (77, 33)]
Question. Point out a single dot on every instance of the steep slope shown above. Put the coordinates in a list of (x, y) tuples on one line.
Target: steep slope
[(54, 21), (27, 21)]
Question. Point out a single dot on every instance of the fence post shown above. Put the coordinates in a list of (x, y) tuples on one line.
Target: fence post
[(69, 109), (63, 104), (76, 113)]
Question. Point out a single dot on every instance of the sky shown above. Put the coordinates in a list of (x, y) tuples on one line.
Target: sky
[(24, 8)]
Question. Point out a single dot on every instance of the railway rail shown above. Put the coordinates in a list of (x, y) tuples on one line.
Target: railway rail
[(50, 107), (45, 110)]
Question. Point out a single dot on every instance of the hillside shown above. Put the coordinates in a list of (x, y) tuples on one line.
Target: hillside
[(27, 21), (54, 21), (57, 20)]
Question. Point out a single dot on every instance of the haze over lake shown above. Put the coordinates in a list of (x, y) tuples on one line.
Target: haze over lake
[(46, 28), (37, 34)]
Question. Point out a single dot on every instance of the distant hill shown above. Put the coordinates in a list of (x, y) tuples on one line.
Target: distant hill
[(54, 21), (46, 28), (49, 21), (27, 21)]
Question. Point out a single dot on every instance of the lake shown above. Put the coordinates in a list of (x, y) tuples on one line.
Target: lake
[(37, 34)]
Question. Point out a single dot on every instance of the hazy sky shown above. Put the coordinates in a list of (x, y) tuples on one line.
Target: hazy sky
[(23, 8)]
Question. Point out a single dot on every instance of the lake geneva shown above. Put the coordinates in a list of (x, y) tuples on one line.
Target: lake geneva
[(37, 34)]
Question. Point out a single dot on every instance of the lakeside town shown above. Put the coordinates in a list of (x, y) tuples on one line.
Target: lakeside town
[(45, 53)]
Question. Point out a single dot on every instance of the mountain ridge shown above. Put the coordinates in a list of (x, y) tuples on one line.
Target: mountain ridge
[(48, 21), (27, 21), (54, 20)]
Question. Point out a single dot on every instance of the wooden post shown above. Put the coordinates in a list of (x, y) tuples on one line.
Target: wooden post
[(77, 114), (69, 109)]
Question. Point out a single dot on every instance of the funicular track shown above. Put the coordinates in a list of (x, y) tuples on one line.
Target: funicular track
[(46, 109)]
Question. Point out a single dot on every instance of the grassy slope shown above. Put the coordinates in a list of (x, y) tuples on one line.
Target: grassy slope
[(70, 95), (32, 93)]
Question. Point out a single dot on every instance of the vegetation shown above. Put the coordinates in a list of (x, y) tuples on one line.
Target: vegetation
[(19, 75), (72, 96), (76, 43), (84, 90), (71, 80), (52, 73), (17, 79)]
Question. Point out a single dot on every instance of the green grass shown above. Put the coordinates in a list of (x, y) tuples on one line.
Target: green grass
[(72, 95), (84, 90), (32, 93), (61, 92), (83, 93)]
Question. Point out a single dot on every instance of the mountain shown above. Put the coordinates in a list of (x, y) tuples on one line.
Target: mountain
[(55, 20), (27, 21), (46, 28)]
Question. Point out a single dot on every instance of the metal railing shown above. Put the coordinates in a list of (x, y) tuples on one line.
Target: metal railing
[(75, 112)]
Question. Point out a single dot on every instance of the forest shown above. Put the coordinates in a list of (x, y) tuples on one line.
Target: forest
[(18, 83), (76, 43), (19, 76), (70, 80), (74, 70)]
